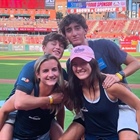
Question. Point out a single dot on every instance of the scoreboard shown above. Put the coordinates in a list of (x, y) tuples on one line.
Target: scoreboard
[(28, 4), (95, 5)]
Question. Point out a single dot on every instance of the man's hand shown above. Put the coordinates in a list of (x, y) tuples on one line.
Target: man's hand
[(110, 80)]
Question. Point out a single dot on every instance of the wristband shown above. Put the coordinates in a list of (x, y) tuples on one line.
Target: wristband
[(119, 76), (51, 99), (122, 74)]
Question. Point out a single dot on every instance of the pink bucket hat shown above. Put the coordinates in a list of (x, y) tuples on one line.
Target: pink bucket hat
[(84, 52)]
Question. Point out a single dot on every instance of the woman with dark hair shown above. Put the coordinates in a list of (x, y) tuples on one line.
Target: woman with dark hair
[(97, 107)]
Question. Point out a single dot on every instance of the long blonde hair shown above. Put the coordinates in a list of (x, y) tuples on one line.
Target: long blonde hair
[(59, 86)]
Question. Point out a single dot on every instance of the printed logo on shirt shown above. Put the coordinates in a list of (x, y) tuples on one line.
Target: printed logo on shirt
[(101, 64), (84, 109), (36, 118), (25, 79)]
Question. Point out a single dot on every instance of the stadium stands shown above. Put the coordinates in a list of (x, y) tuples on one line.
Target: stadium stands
[(112, 28), (28, 23), (22, 39), (134, 26), (109, 28)]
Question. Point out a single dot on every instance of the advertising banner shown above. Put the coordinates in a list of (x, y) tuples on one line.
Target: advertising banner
[(75, 6), (3, 47), (28, 29), (25, 4), (50, 4), (129, 46), (34, 48), (18, 47)]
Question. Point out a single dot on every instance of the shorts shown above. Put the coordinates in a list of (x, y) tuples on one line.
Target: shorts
[(45, 136), (11, 117), (127, 119)]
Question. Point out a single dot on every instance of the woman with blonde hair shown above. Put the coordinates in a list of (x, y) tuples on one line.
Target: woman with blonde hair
[(48, 91)]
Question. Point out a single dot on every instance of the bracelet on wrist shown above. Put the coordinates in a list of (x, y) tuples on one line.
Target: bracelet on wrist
[(119, 76), (50, 99), (122, 74)]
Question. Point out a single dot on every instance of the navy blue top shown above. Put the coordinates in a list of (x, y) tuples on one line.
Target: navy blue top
[(101, 117), (108, 54), (32, 123)]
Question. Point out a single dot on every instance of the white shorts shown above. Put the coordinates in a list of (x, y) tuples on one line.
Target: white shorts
[(127, 119)]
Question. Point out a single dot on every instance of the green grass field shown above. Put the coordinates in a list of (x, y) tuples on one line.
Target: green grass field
[(9, 69)]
